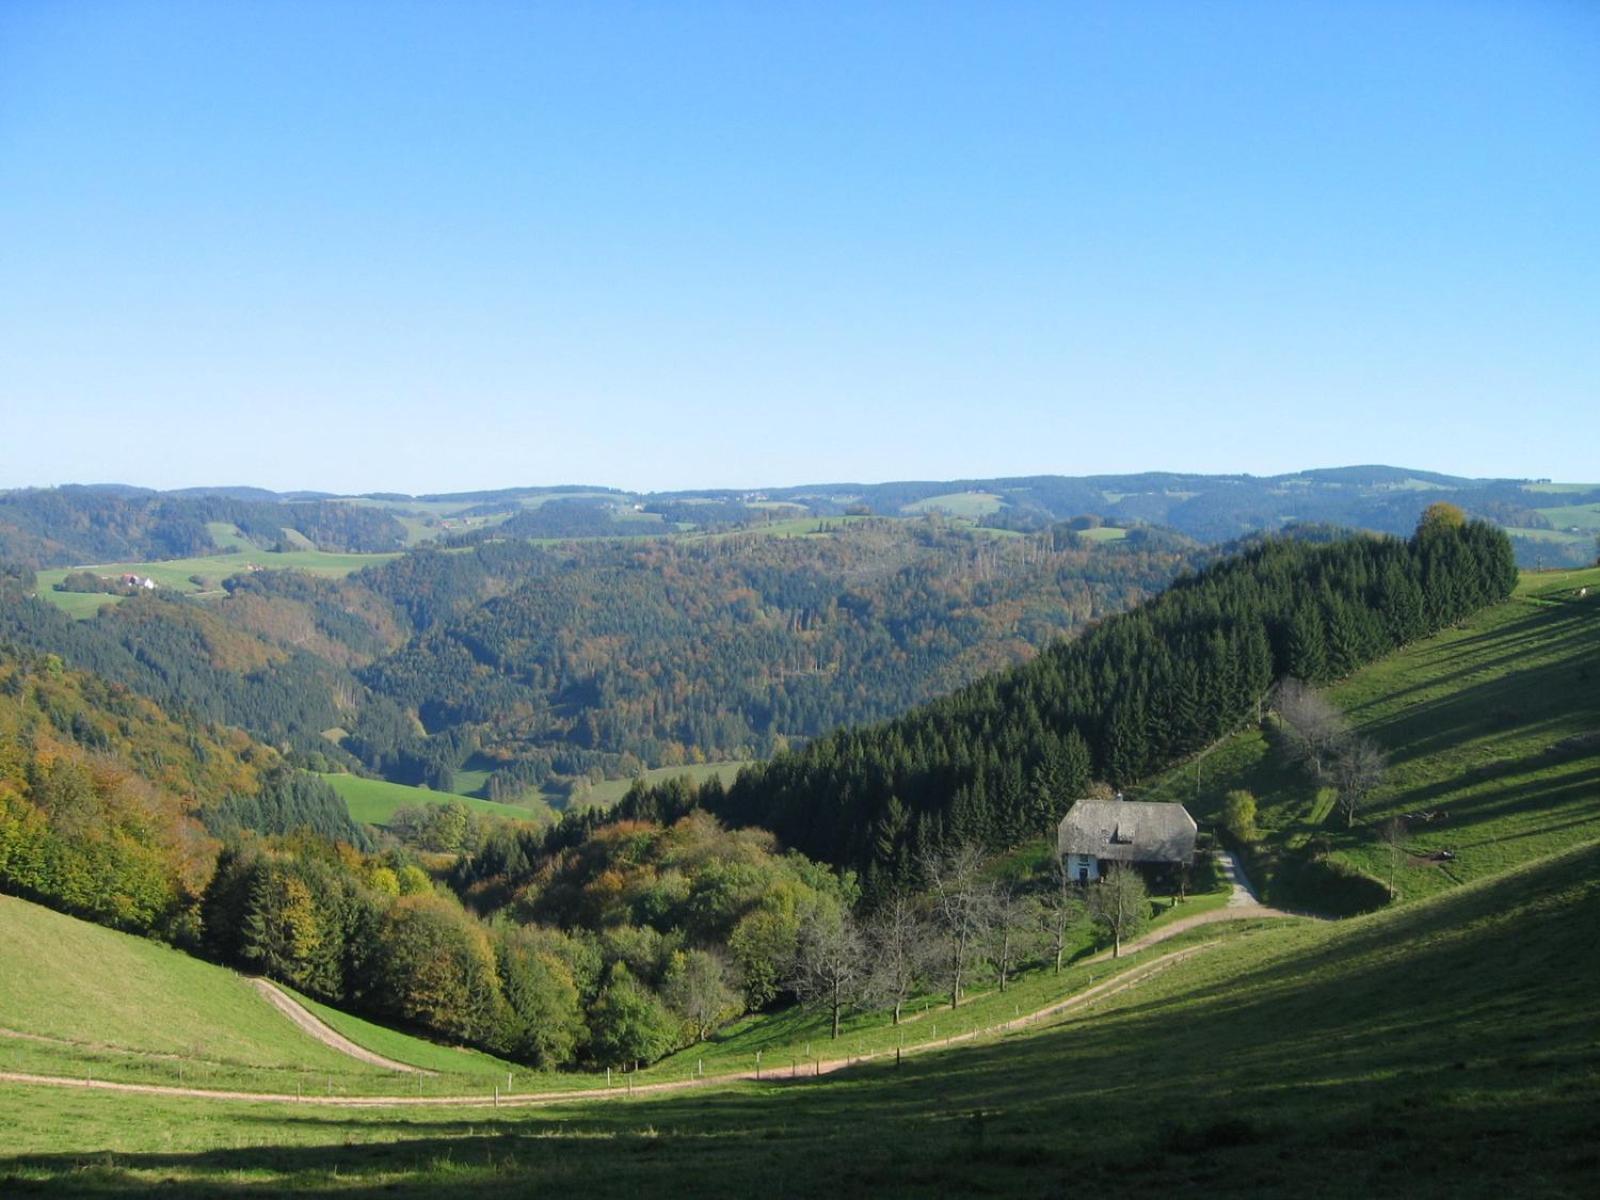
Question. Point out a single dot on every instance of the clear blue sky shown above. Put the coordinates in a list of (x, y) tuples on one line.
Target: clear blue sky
[(453, 245)]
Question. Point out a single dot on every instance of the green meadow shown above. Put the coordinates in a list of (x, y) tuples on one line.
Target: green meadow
[(1578, 516), (971, 505), (81, 1000), (1104, 533), (1442, 1048), (179, 574), (374, 801), (1493, 726)]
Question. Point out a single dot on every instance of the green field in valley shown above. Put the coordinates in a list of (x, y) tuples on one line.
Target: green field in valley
[(1494, 724), (373, 801)]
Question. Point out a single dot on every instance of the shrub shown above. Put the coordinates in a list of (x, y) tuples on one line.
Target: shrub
[(1239, 816)]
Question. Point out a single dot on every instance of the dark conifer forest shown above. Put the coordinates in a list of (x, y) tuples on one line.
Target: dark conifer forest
[(999, 760)]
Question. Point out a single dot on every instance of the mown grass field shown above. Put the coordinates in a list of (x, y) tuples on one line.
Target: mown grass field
[(1495, 723), (609, 791), (212, 569), (1447, 1048), (149, 1014), (971, 505), (374, 801), (1577, 516), (228, 538), (104, 1004), (1104, 533)]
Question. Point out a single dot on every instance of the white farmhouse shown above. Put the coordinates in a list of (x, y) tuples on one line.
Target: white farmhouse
[(1096, 833)]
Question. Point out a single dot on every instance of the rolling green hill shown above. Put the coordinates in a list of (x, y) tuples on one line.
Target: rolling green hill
[(1493, 726), (89, 1001), (1444, 1048)]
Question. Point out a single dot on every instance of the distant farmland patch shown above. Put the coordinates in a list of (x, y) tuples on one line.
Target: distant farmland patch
[(1578, 516), (958, 504), (178, 574), (228, 538), (1104, 533)]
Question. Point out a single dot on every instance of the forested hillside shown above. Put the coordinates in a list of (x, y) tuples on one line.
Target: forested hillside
[(998, 761), (197, 835), (597, 658), (1551, 524), (42, 527), (574, 656), (107, 804)]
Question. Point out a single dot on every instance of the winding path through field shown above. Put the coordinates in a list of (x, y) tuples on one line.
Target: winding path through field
[(1241, 905), (813, 1069), (313, 1026)]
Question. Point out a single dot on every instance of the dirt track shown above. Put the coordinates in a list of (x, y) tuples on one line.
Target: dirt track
[(313, 1027), (813, 1069)]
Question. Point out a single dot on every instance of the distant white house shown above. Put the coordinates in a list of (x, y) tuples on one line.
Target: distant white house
[(1096, 833)]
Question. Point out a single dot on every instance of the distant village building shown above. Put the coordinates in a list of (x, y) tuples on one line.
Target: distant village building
[(1097, 833)]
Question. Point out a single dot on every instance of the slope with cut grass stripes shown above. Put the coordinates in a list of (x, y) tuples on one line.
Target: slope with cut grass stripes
[(79, 999), (1447, 1047), (1493, 727)]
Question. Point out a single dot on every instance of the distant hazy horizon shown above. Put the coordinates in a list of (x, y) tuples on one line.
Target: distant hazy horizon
[(767, 485)]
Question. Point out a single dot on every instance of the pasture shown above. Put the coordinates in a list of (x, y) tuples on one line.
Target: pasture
[(1581, 517), (1444, 1048), (1103, 533), (970, 505), (179, 574), (82, 1000), (374, 801), (1494, 724)]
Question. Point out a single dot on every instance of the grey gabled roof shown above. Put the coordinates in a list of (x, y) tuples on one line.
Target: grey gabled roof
[(1127, 831)]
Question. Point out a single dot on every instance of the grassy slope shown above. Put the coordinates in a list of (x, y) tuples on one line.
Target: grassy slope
[(1578, 516), (140, 1012), (958, 504), (1444, 1048), (1472, 720), (374, 801)]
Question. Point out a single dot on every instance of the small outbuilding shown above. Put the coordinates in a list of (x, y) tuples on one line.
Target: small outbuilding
[(1096, 833)]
